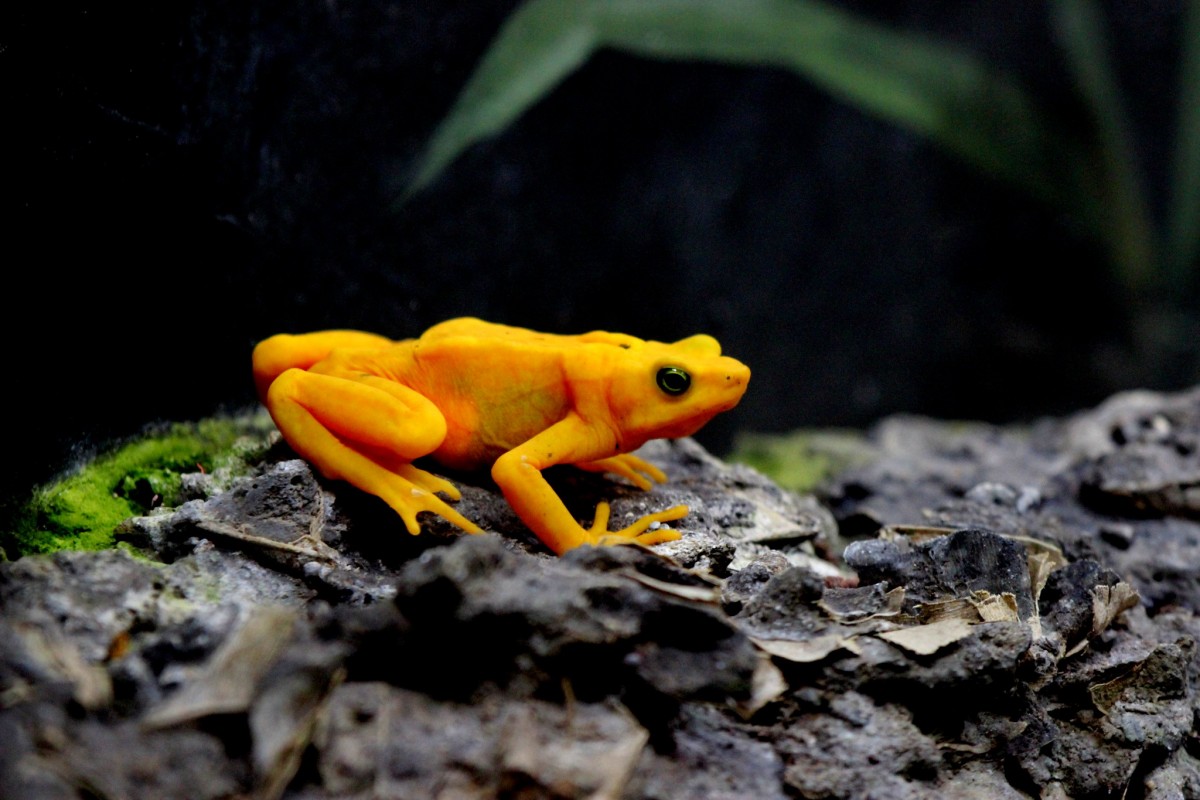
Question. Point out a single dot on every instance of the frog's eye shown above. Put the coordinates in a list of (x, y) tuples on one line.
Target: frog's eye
[(673, 380)]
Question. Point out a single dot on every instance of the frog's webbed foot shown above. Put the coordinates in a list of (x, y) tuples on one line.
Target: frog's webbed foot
[(639, 531), (409, 491), (637, 471), (405, 488)]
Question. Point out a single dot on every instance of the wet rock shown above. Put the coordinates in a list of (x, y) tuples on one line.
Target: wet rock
[(860, 749), (1111, 488), (746, 584), (56, 758), (1067, 602), (1055, 767), (375, 739), (786, 606), (950, 566), (685, 767), (1177, 776), (1162, 478), (1149, 704), (544, 622), (737, 516), (1113, 485), (281, 517), (857, 603), (992, 632)]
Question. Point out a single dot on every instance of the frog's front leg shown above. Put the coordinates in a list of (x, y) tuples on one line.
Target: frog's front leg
[(571, 441), (365, 430)]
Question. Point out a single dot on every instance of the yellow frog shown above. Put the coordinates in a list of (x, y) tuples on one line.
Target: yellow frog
[(470, 394)]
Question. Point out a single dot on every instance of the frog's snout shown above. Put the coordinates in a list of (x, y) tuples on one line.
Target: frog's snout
[(737, 378)]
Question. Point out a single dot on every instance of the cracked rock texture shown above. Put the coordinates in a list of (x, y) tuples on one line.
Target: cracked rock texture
[(975, 612)]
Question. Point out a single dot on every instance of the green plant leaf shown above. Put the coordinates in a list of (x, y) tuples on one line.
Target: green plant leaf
[(1108, 190), (543, 42), (936, 90)]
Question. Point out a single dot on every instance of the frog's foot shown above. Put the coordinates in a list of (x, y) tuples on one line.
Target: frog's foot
[(637, 471), (427, 481), (409, 497), (637, 532), (407, 489)]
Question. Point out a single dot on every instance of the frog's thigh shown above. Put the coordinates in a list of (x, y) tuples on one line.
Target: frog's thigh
[(366, 410), (277, 354), (301, 404)]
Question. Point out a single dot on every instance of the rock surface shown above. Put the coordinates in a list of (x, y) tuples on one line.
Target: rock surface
[(976, 612)]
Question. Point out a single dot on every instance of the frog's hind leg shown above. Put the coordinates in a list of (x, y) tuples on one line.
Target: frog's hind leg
[(274, 356), (365, 430)]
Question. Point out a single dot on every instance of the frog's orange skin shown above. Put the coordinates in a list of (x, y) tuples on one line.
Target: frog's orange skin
[(472, 394)]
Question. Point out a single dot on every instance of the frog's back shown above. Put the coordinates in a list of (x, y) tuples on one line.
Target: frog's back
[(490, 334), (496, 385), (509, 336)]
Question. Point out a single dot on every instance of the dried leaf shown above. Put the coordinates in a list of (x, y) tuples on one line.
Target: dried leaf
[(1160, 679), (282, 723), (767, 686), (996, 607), (915, 533), (808, 650), (699, 594), (311, 549), (1109, 602), (90, 684), (1052, 551), (1043, 559), (860, 604), (230, 681), (773, 528), (926, 640), (1105, 695), (575, 757), (940, 610)]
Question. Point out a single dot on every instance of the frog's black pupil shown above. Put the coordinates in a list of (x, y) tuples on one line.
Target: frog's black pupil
[(673, 380)]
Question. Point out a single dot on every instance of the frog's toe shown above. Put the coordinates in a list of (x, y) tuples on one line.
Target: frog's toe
[(454, 518), (409, 517), (428, 481), (642, 525), (658, 536), (638, 471), (643, 466), (408, 500), (630, 474), (640, 531)]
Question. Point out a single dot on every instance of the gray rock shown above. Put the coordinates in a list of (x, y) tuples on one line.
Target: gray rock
[(290, 640)]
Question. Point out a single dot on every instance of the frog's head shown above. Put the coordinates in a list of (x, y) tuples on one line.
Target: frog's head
[(667, 390)]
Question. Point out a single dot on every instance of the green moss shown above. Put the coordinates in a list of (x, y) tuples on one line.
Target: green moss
[(80, 510), (802, 460)]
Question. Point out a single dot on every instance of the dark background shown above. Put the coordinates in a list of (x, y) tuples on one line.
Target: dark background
[(184, 179)]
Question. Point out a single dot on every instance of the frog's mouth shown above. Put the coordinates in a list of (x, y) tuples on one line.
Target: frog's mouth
[(686, 426)]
